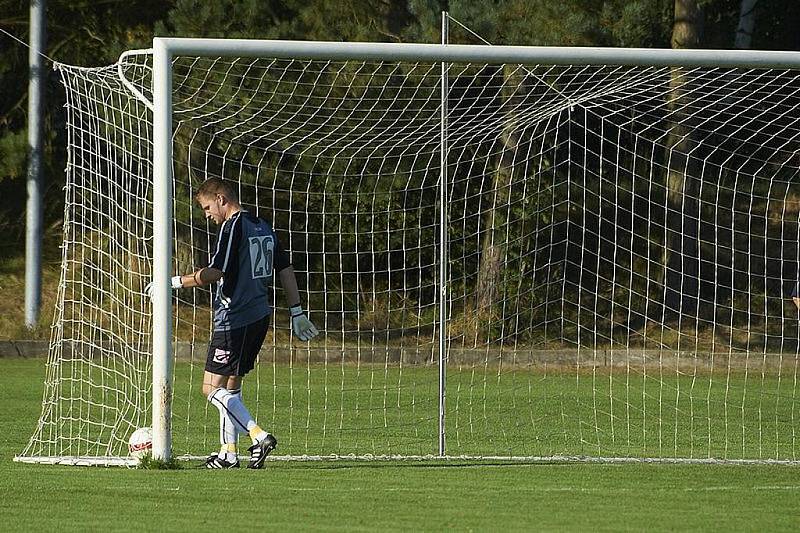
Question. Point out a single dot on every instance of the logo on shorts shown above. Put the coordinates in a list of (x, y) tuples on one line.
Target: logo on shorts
[(221, 356)]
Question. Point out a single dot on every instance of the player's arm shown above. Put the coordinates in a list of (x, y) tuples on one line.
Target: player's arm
[(289, 284), (206, 275), (303, 328), (200, 278)]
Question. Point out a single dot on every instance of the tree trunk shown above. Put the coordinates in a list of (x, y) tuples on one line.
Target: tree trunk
[(681, 250), (490, 272), (687, 30), (747, 21)]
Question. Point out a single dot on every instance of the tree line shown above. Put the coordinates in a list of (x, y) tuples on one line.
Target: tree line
[(93, 33)]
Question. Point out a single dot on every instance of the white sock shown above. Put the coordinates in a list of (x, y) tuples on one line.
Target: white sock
[(230, 425), (228, 436), (232, 405), (228, 428), (256, 433), (228, 452)]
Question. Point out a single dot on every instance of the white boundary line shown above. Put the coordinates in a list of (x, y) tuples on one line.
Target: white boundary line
[(129, 462)]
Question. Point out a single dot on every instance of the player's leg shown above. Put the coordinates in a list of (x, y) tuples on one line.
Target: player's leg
[(236, 403), (263, 442), (219, 367), (227, 397), (232, 354), (226, 457), (233, 385)]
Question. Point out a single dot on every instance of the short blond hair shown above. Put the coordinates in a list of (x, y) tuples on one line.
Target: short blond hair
[(214, 186)]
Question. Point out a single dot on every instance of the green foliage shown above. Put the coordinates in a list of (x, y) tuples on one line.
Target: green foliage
[(79, 33), (92, 33), (639, 23), (13, 154), (243, 19), (622, 23), (336, 20)]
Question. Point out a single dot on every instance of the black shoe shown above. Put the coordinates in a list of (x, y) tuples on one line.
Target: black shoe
[(214, 461), (260, 450)]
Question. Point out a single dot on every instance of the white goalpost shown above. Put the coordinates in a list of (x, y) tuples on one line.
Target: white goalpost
[(511, 252)]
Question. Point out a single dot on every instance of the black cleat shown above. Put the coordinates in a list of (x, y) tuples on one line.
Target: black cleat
[(260, 450), (214, 461)]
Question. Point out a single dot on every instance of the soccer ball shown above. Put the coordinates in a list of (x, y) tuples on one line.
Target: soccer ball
[(140, 443)]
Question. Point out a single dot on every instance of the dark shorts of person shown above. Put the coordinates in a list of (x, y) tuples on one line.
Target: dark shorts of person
[(234, 352)]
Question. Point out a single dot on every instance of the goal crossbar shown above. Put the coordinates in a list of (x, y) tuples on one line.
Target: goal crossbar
[(454, 53)]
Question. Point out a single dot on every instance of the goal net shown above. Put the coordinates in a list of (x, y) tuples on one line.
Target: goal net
[(621, 254)]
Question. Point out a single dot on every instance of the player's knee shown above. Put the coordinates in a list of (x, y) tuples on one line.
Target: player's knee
[(208, 390)]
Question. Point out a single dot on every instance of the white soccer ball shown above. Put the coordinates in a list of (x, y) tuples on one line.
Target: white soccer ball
[(141, 443)]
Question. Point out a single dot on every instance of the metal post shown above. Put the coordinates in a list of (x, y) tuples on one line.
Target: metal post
[(162, 249), (33, 217), (443, 243), (453, 53)]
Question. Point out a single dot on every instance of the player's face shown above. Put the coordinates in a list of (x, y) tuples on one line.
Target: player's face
[(213, 207)]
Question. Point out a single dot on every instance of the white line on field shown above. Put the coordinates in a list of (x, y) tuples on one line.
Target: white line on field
[(733, 487), (604, 490)]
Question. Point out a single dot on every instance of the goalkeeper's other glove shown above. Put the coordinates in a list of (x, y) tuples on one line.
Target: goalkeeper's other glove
[(176, 284), (301, 325)]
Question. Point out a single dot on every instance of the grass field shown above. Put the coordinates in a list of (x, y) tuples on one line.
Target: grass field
[(379, 496), (383, 409)]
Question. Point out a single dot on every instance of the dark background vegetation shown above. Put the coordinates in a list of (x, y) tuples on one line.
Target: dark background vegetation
[(91, 33)]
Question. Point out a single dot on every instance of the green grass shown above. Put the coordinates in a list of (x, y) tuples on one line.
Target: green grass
[(379, 496), (12, 310), (317, 409)]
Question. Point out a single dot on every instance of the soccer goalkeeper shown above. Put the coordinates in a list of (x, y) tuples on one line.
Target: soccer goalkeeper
[(246, 253)]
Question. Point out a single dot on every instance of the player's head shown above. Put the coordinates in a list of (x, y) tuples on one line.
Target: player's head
[(217, 199)]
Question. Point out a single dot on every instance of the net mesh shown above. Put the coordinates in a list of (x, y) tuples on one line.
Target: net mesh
[(621, 243)]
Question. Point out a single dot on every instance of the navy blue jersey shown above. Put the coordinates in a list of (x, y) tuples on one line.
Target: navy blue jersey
[(247, 253)]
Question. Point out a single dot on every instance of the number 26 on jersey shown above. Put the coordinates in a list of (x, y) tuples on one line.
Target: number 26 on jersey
[(261, 256)]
